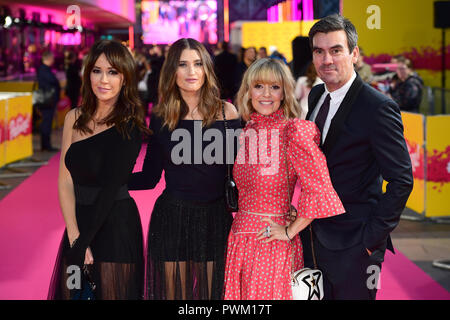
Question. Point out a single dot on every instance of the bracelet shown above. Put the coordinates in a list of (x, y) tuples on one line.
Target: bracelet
[(287, 235)]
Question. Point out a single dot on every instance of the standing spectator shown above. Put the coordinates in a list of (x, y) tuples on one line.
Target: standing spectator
[(157, 58), (73, 79), (364, 70), (48, 82), (388, 75), (303, 87), (407, 90), (58, 53), (248, 57), (143, 71), (152, 85), (224, 63), (262, 53)]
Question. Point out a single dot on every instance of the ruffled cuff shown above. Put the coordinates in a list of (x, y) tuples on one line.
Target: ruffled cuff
[(313, 205)]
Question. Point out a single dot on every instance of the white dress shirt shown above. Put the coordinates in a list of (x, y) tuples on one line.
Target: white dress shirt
[(336, 99)]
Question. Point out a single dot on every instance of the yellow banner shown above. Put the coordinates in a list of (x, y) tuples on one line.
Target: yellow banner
[(18, 128), (16, 86), (2, 132), (414, 135), (438, 166), (387, 28)]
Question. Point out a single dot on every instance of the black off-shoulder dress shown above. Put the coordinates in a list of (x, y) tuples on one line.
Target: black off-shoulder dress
[(107, 217)]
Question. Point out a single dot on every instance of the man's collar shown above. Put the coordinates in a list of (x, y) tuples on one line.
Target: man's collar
[(342, 91)]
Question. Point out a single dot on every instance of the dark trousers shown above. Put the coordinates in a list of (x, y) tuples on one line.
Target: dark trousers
[(46, 127), (349, 274)]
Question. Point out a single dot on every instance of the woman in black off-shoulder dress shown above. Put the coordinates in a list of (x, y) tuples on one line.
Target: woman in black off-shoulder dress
[(101, 141)]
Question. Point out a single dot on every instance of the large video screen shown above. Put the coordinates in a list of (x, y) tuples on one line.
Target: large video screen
[(164, 22)]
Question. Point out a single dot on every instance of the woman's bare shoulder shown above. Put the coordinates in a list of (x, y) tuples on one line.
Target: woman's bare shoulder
[(231, 111), (71, 117)]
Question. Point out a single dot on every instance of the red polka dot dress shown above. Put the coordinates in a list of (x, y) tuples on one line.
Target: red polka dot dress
[(256, 270)]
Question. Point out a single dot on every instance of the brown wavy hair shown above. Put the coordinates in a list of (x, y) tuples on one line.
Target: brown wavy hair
[(172, 107), (128, 107)]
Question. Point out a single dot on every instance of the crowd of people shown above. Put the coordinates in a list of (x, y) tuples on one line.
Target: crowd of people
[(196, 248), (403, 85)]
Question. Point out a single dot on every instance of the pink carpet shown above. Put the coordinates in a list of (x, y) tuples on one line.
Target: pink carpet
[(31, 226)]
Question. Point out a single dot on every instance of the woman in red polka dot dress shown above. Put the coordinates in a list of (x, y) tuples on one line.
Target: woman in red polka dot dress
[(277, 149)]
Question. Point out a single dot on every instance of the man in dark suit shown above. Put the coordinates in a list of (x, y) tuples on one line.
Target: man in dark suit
[(48, 81), (362, 139)]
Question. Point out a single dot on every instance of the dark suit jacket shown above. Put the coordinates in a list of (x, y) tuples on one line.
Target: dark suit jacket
[(239, 71), (364, 145), (47, 80), (224, 65), (73, 80)]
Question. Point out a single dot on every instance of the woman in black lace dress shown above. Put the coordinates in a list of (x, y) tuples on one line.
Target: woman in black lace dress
[(101, 141), (189, 224)]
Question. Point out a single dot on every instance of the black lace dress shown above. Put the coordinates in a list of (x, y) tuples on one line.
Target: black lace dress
[(107, 217)]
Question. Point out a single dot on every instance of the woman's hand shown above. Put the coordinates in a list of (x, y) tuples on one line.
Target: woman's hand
[(277, 232), (89, 258)]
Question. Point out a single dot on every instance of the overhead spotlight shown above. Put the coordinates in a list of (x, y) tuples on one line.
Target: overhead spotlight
[(8, 22)]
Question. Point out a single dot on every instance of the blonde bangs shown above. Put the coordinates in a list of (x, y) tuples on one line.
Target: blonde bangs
[(270, 71), (266, 74)]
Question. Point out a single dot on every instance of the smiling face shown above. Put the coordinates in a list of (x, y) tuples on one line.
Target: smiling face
[(190, 75), (266, 97), (332, 58), (106, 82)]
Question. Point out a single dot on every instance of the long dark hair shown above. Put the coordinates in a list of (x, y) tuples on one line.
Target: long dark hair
[(172, 107), (128, 107)]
